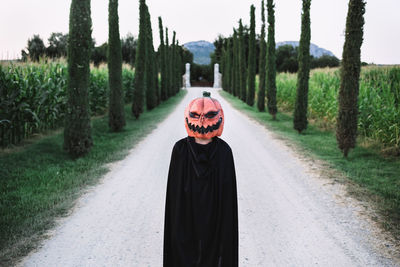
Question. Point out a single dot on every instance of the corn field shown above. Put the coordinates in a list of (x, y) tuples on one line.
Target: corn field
[(33, 97), (379, 100)]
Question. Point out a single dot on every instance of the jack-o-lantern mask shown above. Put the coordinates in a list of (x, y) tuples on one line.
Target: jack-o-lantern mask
[(204, 117)]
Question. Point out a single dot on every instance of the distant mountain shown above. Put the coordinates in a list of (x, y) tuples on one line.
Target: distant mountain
[(315, 50), (201, 51)]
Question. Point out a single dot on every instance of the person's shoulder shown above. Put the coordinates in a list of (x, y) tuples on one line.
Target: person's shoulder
[(180, 145), (224, 145)]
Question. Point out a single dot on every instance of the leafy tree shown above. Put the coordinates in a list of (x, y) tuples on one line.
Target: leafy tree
[(251, 69), (286, 59), (300, 113), (162, 53), (242, 64), (128, 46), (262, 66), (346, 132), (116, 114), (271, 65), (36, 48), (140, 63), (58, 43), (77, 132), (324, 61), (99, 54)]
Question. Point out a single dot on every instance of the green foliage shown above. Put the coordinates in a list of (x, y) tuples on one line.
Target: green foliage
[(262, 61), (116, 113), (201, 73), (128, 84), (98, 91), (271, 65), (140, 63), (128, 46), (251, 69), (242, 64), (324, 61), (58, 43), (346, 132), (300, 112), (99, 54), (77, 131), (36, 48), (287, 59)]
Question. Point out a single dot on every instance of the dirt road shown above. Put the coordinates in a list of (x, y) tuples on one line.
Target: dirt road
[(288, 216)]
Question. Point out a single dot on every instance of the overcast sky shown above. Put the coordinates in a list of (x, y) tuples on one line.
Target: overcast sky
[(195, 20)]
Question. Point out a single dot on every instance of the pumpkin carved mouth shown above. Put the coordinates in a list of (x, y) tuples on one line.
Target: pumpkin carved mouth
[(202, 129)]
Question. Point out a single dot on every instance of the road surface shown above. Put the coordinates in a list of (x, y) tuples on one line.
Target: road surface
[(288, 214)]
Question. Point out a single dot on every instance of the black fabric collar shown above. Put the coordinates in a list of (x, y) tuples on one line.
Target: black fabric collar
[(202, 159)]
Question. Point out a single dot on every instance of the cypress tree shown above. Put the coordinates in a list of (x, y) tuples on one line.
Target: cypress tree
[(251, 78), (178, 67), (168, 63), (228, 66), (172, 64), (242, 63), (271, 61), (140, 64), (116, 114), (346, 132), (77, 132), (235, 76), (233, 68), (150, 71), (300, 113), (164, 92), (262, 63), (224, 67)]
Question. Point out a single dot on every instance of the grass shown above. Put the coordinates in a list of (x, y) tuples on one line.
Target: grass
[(40, 182), (377, 177)]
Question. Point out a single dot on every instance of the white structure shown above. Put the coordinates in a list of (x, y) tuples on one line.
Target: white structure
[(186, 76), (217, 76)]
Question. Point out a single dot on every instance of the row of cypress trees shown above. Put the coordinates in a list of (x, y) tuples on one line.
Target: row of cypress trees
[(146, 91), (234, 70), (239, 74)]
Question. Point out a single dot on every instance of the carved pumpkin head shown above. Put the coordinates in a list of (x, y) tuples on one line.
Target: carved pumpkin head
[(204, 117)]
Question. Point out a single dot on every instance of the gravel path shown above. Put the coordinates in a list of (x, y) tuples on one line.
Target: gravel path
[(288, 215)]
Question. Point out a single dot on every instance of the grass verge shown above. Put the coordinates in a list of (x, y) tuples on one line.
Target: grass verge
[(41, 182), (378, 177)]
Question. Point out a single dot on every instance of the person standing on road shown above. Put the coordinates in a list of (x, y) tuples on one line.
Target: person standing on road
[(201, 215)]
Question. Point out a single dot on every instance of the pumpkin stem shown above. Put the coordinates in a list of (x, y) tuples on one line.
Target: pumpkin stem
[(206, 94)]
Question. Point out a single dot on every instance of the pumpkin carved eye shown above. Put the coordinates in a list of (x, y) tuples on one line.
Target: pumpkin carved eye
[(194, 115), (211, 114)]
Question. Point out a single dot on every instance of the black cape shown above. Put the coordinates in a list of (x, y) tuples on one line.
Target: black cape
[(201, 217)]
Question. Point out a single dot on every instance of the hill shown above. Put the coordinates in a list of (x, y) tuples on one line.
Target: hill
[(315, 50)]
